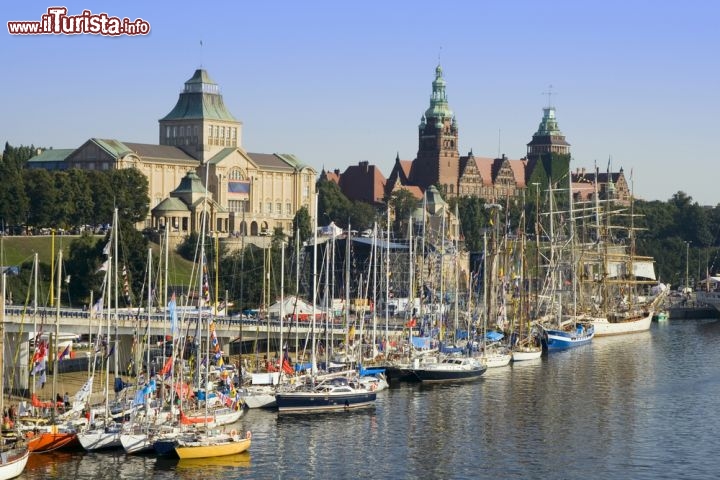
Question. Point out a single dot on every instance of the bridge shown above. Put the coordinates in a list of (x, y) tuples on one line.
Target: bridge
[(20, 321)]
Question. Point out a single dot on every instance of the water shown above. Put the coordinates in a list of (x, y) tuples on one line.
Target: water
[(638, 406)]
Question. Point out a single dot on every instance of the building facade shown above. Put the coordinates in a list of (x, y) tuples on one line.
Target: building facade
[(493, 179), (258, 191)]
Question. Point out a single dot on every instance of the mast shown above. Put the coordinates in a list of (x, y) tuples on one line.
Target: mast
[(457, 274), (387, 280), (282, 300), (374, 274), (314, 285), (114, 235), (57, 334), (347, 288)]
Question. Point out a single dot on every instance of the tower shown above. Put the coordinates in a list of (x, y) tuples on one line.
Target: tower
[(548, 152), (200, 124), (437, 158)]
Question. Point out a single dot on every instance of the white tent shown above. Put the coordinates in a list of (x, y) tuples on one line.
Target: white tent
[(302, 309)]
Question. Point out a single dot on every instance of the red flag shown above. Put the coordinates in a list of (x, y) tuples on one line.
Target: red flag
[(167, 367)]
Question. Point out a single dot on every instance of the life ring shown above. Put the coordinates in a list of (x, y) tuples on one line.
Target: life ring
[(248, 435), (233, 432)]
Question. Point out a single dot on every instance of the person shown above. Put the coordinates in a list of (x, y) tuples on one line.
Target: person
[(66, 400)]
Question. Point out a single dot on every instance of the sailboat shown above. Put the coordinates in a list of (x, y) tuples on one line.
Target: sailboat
[(526, 345), (614, 275), (58, 434), (563, 331), (13, 458), (105, 433), (333, 392)]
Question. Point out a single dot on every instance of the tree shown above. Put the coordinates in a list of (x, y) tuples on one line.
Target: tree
[(83, 267), (40, 190), (403, 204), (302, 222), (131, 194), (332, 204), (13, 201), (103, 196)]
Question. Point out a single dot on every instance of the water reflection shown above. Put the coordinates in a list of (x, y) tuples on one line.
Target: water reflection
[(636, 406)]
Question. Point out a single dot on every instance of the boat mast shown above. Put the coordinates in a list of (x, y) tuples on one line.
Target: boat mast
[(387, 281), (314, 286)]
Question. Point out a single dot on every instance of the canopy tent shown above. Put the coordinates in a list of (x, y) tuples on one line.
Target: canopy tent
[(302, 309)]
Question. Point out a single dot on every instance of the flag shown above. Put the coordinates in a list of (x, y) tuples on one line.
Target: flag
[(104, 266), (106, 249), (97, 308), (167, 368), (172, 309), (64, 353), (84, 392)]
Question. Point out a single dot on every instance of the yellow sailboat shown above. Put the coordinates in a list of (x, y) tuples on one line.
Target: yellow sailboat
[(204, 445)]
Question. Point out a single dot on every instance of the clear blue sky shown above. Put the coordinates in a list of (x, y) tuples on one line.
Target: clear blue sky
[(337, 82)]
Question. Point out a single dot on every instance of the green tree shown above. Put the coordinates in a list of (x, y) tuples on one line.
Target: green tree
[(403, 204), (131, 194), (83, 267), (302, 223), (40, 190), (103, 196)]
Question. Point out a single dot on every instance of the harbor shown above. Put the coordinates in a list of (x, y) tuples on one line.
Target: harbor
[(558, 416)]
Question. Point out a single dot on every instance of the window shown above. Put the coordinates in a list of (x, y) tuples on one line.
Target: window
[(167, 132), (182, 131), (210, 131), (278, 207), (268, 207), (222, 132), (288, 208)]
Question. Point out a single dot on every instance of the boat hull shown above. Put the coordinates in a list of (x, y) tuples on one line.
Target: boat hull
[(136, 442), (213, 450), (48, 441), (603, 327), (295, 402), (525, 355), (15, 462), (562, 340), (100, 440), (450, 372)]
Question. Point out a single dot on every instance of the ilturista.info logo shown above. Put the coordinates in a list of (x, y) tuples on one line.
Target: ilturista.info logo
[(56, 21)]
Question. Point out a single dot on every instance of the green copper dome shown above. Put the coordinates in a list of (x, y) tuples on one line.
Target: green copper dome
[(548, 124), (200, 100), (439, 108)]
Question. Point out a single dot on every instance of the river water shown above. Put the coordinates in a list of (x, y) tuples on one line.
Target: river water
[(637, 406)]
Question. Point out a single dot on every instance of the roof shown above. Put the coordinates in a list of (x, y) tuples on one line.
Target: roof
[(363, 182), (52, 155), (171, 204), (158, 152), (218, 157), (201, 99), (485, 168), (270, 161), (190, 183), (414, 190)]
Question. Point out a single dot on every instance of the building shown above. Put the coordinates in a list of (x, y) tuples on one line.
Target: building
[(257, 191), (493, 179), (362, 182)]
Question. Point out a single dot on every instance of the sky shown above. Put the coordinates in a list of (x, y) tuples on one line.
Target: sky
[(635, 83)]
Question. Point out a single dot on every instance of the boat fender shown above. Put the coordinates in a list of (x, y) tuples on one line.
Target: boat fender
[(248, 435), (373, 387), (233, 432)]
